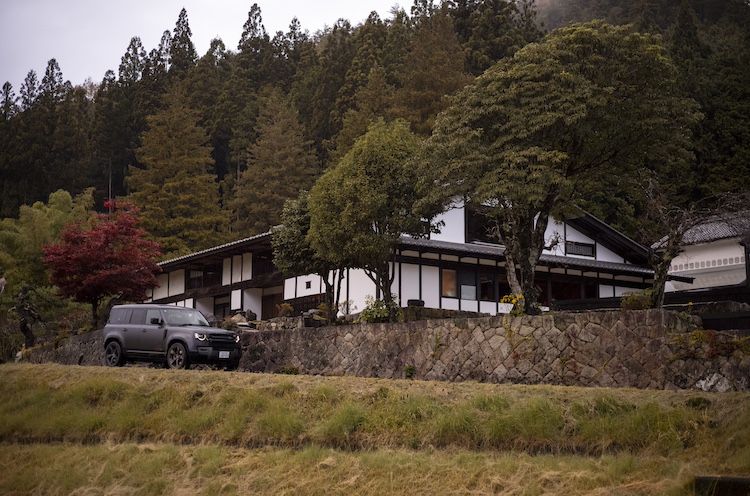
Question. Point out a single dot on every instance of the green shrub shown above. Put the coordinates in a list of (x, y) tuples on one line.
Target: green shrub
[(640, 300), (377, 311)]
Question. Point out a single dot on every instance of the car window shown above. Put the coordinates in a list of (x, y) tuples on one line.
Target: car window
[(138, 317), (153, 317), (118, 316), (185, 317)]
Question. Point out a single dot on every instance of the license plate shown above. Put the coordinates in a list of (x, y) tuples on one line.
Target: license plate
[(223, 354)]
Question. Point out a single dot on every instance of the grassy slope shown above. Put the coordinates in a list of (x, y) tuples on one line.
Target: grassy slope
[(144, 431)]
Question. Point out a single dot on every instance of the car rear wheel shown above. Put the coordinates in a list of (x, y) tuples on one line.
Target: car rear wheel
[(113, 354), (177, 356)]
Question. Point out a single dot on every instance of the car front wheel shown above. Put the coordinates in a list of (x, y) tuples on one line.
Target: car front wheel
[(177, 356), (113, 354)]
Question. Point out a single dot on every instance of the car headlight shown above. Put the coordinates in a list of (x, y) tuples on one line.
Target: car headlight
[(200, 336), (237, 338)]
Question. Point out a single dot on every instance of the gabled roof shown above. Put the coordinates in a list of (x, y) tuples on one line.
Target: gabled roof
[(218, 253), (609, 237), (720, 227)]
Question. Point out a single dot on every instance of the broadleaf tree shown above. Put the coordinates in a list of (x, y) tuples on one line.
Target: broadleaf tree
[(361, 207), (106, 256), (534, 133), (293, 254)]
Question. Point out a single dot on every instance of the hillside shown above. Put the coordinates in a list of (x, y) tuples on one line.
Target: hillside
[(145, 431)]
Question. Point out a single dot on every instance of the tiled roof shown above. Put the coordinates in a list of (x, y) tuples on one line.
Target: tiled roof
[(717, 228), (218, 249)]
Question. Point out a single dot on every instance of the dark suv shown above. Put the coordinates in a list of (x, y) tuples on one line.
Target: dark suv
[(176, 336)]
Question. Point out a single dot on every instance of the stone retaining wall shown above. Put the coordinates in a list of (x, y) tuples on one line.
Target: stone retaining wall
[(84, 349), (643, 349)]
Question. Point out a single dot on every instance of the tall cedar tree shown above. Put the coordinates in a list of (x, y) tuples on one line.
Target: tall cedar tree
[(182, 54), (536, 132), (360, 208), (107, 256), (177, 195), (281, 164), (433, 70)]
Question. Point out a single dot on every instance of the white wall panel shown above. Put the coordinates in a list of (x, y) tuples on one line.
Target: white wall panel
[(247, 266), (431, 286), (176, 282), (162, 290)]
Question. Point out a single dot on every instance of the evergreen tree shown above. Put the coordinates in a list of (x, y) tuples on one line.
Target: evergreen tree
[(178, 195), (205, 85), (182, 54), (316, 88), (493, 34), (369, 40), (53, 88), (29, 90), (8, 102), (433, 70), (371, 102), (133, 63), (281, 164)]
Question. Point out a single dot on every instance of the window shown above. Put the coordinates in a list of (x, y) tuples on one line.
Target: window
[(468, 285), (204, 277), (153, 317), (583, 249), (308, 285), (119, 316), (138, 317), (449, 286), (487, 287)]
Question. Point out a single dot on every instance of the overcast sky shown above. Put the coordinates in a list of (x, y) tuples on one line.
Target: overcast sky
[(88, 37)]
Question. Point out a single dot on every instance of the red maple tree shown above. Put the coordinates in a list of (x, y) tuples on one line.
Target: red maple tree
[(106, 256)]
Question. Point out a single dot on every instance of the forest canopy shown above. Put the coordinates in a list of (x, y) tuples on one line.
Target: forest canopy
[(260, 122)]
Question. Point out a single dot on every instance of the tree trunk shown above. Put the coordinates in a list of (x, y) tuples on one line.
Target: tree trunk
[(28, 334)]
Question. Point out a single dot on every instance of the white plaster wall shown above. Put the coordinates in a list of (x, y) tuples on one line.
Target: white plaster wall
[(454, 229), (721, 263), (470, 305), (162, 290), (237, 268), (253, 301), (450, 303), (236, 301), (247, 266), (555, 227), (176, 282), (607, 255), (489, 307), (290, 288), (431, 286), (316, 285), (355, 287), (409, 283)]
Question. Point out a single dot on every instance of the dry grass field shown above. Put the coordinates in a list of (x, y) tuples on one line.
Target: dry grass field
[(93, 430)]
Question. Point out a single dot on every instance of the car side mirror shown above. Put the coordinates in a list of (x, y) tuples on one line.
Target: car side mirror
[(156, 321)]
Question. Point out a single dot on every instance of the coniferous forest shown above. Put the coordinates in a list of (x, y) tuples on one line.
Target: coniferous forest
[(209, 146)]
